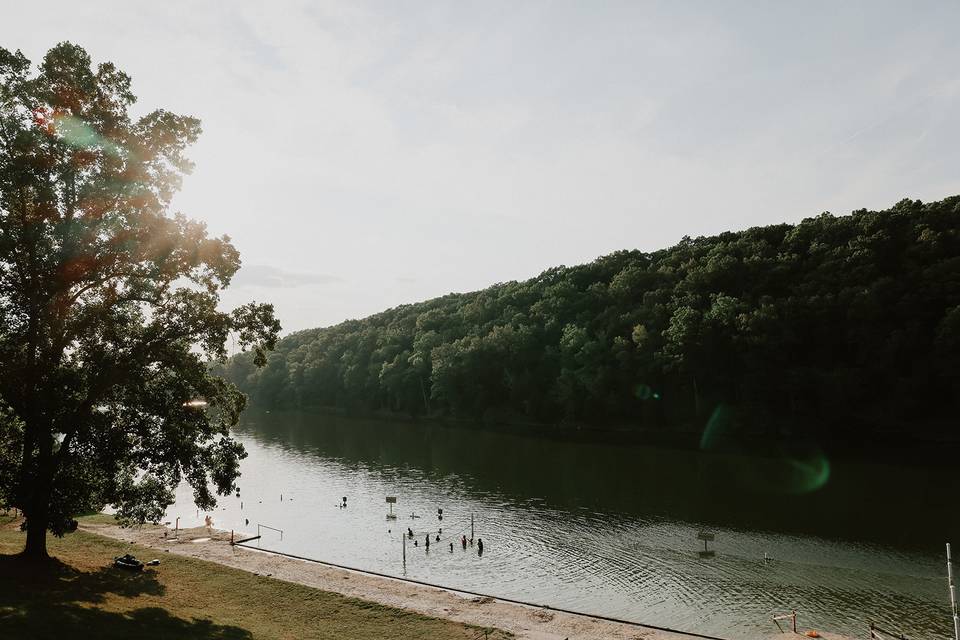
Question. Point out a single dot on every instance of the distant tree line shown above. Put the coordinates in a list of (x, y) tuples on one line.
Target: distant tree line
[(838, 326)]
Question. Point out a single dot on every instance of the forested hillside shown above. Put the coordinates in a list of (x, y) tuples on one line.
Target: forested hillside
[(843, 325)]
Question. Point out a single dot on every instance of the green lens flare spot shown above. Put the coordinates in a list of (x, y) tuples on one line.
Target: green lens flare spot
[(809, 474), (80, 135), (766, 466)]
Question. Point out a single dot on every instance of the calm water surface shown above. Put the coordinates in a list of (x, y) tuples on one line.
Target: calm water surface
[(607, 528)]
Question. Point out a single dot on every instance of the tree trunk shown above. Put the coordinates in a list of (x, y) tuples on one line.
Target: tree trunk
[(40, 489), (36, 548)]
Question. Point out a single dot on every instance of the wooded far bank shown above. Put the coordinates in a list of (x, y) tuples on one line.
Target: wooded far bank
[(837, 327)]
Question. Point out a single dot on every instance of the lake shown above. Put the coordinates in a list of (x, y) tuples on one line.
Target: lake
[(607, 527)]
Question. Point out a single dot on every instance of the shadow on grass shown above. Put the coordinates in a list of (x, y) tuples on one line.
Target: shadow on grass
[(59, 582), (53, 600)]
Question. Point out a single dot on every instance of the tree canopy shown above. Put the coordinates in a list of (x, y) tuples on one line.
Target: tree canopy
[(835, 327), (108, 304)]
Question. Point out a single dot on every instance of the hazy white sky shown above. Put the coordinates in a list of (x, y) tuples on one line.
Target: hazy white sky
[(363, 155)]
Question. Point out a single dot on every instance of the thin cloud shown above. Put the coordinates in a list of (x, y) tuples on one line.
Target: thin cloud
[(261, 275), (464, 144)]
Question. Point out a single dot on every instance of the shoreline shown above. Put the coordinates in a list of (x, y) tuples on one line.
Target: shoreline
[(524, 621)]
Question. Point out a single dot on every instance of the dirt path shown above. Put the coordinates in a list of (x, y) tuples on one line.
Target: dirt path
[(525, 622)]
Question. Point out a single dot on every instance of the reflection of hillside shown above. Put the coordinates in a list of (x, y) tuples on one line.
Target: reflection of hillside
[(730, 490)]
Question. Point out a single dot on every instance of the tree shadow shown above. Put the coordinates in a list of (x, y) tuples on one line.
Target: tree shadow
[(51, 599), (40, 620), (59, 582)]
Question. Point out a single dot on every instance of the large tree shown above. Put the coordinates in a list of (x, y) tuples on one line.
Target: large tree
[(109, 312)]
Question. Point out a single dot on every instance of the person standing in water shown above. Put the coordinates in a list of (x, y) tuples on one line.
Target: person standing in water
[(463, 541), (479, 546), (428, 541)]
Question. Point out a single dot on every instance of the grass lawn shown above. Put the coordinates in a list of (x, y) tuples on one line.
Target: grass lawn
[(79, 594)]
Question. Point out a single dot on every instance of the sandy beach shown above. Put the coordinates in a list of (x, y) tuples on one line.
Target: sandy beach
[(525, 622)]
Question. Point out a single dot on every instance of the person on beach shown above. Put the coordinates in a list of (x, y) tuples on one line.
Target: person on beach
[(479, 546), (463, 541)]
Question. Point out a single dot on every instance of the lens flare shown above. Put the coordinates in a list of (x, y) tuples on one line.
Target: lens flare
[(80, 135), (643, 392), (781, 466), (809, 474)]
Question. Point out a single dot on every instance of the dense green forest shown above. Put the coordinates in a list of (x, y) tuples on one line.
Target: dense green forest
[(838, 326)]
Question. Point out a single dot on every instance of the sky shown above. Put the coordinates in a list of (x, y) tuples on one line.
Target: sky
[(363, 155)]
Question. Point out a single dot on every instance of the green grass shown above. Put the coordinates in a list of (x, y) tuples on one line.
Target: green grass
[(80, 594)]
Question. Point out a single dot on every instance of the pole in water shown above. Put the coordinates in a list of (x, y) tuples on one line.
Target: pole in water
[(953, 596), (471, 527), (404, 551)]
